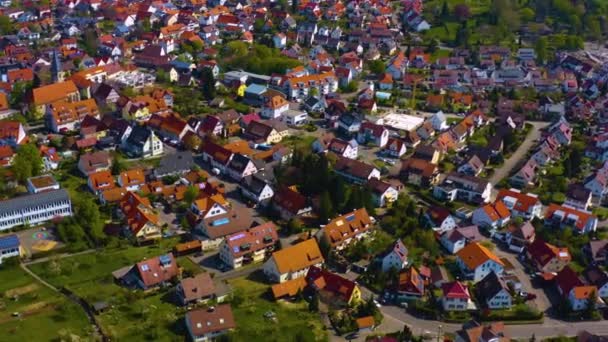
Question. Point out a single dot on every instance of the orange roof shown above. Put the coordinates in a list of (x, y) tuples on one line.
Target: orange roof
[(205, 203), (101, 180), (132, 177), (113, 195), (239, 146), (298, 256), (53, 92), (365, 322), (276, 102), (65, 112), (3, 101), (584, 292), (289, 288), (474, 254), (434, 100), (496, 211), (138, 211), (523, 201), (346, 226)]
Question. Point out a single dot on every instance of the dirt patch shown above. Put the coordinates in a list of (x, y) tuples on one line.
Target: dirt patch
[(29, 310), (19, 291)]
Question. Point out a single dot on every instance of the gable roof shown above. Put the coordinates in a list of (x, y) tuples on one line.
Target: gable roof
[(543, 252), (157, 270), (298, 256), (490, 286), (346, 226), (455, 289), (53, 92), (475, 254), (199, 286), (324, 280), (214, 319)]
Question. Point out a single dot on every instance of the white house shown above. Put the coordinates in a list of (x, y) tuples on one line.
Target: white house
[(492, 215), (373, 133), (456, 297), (346, 149), (439, 121), (295, 117), (10, 247), (293, 262), (494, 292), (526, 206), (382, 193), (35, 208), (455, 239), (274, 107), (256, 189), (395, 258), (440, 219), (476, 261)]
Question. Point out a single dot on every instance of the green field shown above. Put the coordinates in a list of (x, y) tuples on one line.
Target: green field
[(293, 320), (133, 316), (44, 315)]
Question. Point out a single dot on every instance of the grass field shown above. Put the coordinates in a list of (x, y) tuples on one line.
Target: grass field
[(90, 277), (45, 316), (293, 320)]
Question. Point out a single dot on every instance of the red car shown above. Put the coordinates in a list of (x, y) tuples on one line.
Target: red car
[(530, 296)]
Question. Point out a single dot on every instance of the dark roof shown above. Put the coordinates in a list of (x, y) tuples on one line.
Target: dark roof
[(254, 184), (578, 192), (31, 201), (9, 241), (490, 286), (175, 163), (139, 135), (239, 162), (353, 167)]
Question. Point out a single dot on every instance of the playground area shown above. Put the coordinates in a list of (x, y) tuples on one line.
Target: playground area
[(37, 240)]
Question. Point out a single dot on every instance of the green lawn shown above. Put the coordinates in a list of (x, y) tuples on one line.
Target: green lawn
[(45, 316), (294, 321)]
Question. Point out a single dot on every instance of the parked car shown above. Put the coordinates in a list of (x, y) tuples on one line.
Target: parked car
[(530, 296)]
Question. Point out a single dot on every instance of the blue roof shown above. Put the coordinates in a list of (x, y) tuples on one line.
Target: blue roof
[(256, 89), (9, 241)]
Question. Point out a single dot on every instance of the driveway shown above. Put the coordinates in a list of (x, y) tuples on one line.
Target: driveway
[(541, 302), (513, 161)]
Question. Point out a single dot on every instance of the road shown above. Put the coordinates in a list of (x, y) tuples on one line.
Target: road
[(528, 143)]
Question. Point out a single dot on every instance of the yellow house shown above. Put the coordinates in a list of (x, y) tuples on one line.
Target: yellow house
[(135, 111)]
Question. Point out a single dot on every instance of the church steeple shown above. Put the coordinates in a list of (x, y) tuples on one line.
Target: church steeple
[(56, 72)]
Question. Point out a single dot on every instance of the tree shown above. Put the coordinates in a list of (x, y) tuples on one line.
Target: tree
[(6, 26), (193, 142), (208, 83), (326, 208), (295, 226), (462, 12), (377, 67), (27, 163), (87, 215), (118, 165), (191, 194), (541, 50), (18, 93), (294, 6)]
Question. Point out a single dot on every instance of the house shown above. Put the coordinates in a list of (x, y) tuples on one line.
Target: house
[(346, 229), (346, 149), (525, 176), (293, 262), (209, 206), (572, 288), (38, 184), (148, 274), (456, 297), (526, 206), (142, 221), (177, 163), (347, 124), (561, 216), (578, 196), (100, 181), (546, 257), (355, 171), (6, 156), (332, 287), (492, 215), (290, 203), (518, 237), (143, 143), (372, 133), (472, 167), (209, 324), (10, 247), (35, 208), (410, 284), (456, 186), (12, 133), (215, 226), (598, 184), (197, 289), (476, 261), (269, 132), (439, 121), (48, 94), (597, 251), (493, 292), (249, 246), (493, 332), (92, 162), (419, 172), (395, 148), (295, 118), (439, 219), (240, 166), (395, 257), (455, 239), (274, 107), (383, 193), (289, 288), (255, 188), (132, 180), (599, 278)]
